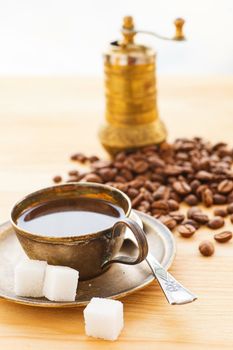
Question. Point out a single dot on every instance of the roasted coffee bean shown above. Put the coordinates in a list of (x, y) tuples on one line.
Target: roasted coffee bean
[(230, 208), (81, 175), (172, 170), (136, 183), (217, 177), (171, 179), (155, 161), (73, 157), (231, 218), (119, 165), (213, 187), (182, 156), (166, 148), (207, 197), (150, 148), (120, 157), (181, 187), (79, 157), (175, 196), (166, 194), (100, 164), (192, 211), (121, 186), (227, 159), (218, 146), (159, 193), (136, 156), (129, 164), (158, 171), (173, 205), (145, 204), (191, 200), (223, 237), (161, 205), (230, 197), (194, 185), (168, 221), (126, 174), (72, 179), (191, 222), (132, 192), (223, 151), (150, 186), (181, 178), (137, 200), (219, 199), (186, 230), (204, 163), (92, 178), (220, 212), (195, 163), (206, 248), (157, 178), (73, 173), (107, 174), (147, 195), (183, 145), (200, 218), (140, 167), (143, 178), (187, 170), (179, 217), (204, 175), (216, 222), (57, 179), (225, 186), (200, 190), (93, 159), (120, 179), (160, 212)]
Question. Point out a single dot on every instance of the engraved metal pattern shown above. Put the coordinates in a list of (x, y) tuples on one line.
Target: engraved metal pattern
[(175, 293), (172, 286)]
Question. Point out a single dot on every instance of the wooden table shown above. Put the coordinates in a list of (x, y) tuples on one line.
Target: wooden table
[(43, 121)]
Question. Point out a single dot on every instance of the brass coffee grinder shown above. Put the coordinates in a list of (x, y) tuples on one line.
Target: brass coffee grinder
[(132, 118)]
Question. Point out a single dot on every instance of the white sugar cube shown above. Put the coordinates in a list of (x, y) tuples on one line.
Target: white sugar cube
[(29, 278), (60, 283), (104, 318)]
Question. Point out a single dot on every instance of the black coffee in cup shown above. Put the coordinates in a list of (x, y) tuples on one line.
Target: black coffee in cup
[(70, 217)]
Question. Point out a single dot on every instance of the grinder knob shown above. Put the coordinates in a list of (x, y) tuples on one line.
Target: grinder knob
[(179, 35)]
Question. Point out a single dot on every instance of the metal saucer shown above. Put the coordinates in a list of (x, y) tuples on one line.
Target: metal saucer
[(119, 281)]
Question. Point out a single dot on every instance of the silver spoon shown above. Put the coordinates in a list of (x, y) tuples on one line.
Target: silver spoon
[(175, 293)]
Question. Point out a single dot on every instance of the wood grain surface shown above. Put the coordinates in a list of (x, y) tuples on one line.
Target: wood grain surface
[(43, 121)]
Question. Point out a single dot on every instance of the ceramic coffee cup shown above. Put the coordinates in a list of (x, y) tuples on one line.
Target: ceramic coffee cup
[(91, 254)]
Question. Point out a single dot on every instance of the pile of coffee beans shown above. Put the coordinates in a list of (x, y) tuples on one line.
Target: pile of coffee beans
[(158, 178)]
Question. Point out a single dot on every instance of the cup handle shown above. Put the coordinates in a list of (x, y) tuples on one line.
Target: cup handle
[(141, 240)]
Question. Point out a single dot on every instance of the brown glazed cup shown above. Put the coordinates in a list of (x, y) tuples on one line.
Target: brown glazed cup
[(90, 254)]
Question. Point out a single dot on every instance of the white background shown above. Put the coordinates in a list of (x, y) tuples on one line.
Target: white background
[(67, 37)]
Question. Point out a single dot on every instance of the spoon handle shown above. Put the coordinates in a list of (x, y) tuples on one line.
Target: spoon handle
[(175, 293)]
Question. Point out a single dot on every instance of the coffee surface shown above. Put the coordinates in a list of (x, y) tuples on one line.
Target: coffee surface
[(70, 217)]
